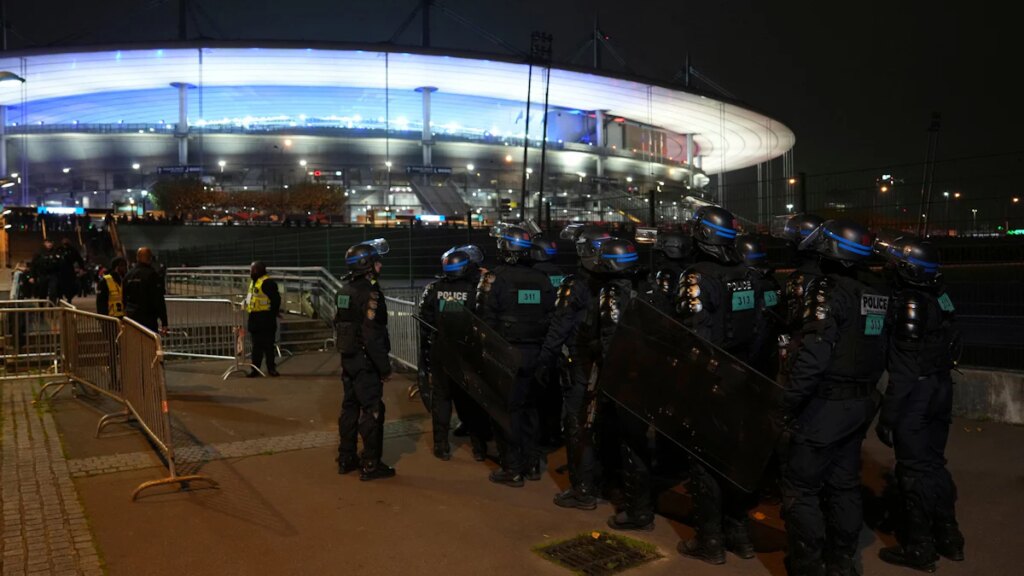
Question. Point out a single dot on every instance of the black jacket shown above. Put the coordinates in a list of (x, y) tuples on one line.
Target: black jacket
[(361, 320), (144, 296)]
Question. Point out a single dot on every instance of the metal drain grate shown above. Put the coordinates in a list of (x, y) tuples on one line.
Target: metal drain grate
[(599, 553)]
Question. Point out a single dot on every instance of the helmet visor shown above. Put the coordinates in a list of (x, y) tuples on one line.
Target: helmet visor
[(379, 244)]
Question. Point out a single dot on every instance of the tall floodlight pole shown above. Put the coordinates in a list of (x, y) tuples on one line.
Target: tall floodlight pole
[(929, 173), (546, 58)]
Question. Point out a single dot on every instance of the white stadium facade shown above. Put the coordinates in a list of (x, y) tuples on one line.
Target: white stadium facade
[(424, 132)]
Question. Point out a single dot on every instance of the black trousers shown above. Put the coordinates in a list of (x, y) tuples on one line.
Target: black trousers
[(362, 410), (443, 396), (579, 437), (517, 446), (263, 346), (821, 501), (920, 440)]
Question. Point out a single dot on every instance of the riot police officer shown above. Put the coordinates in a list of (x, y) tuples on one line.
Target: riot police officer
[(361, 322), (915, 414), (672, 253), (807, 270), (517, 301), (764, 355), (549, 393), (575, 327), (828, 404), (717, 299), (453, 291)]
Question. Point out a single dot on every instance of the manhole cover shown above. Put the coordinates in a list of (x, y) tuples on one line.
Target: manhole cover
[(599, 553)]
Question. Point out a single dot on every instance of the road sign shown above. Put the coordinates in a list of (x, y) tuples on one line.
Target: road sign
[(179, 170), (428, 169)]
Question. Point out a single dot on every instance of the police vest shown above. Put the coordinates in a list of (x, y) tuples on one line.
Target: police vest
[(257, 301), (455, 295), (924, 326), (734, 323), (115, 300), (859, 355), (526, 321)]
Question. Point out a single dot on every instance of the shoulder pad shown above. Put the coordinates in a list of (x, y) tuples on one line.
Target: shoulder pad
[(910, 316), (688, 298), (565, 290), (427, 290), (816, 302)]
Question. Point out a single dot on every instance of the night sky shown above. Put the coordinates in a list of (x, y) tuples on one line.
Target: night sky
[(856, 81)]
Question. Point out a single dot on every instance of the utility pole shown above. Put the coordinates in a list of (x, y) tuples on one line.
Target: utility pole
[(929, 173), (540, 52), (546, 58)]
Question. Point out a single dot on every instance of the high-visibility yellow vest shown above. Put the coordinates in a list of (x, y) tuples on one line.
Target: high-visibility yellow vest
[(257, 301), (115, 300)]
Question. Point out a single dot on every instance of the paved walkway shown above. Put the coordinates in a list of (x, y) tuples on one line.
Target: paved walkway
[(45, 530)]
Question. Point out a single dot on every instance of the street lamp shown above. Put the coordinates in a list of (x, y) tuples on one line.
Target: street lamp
[(974, 217), (222, 164), (789, 207), (144, 193), (302, 163), (469, 168)]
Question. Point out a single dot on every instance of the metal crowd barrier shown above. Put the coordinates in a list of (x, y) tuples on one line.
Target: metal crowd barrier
[(208, 328), (145, 394), (305, 290), (404, 331), (30, 345)]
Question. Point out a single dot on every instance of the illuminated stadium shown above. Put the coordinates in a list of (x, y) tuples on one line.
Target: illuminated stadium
[(98, 126)]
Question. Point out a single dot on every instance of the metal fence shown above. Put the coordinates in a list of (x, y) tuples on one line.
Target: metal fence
[(211, 328), (145, 394), (31, 341), (306, 291)]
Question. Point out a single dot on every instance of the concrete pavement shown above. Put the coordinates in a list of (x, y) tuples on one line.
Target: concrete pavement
[(283, 509)]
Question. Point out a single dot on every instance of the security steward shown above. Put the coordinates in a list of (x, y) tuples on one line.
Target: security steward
[(109, 292), (574, 329), (516, 301), (915, 415), (361, 322), (718, 300), (263, 303), (453, 291), (828, 404)]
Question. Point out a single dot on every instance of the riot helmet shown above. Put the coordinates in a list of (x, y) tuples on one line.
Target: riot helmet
[(616, 256), (461, 261), (714, 230), (752, 251), (916, 261), (672, 245), (514, 242), (800, 226), (587, 240), (360, 258), (543, 250), (840, 240)]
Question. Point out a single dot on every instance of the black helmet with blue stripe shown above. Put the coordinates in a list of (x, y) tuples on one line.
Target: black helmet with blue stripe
[(543, 250), (461, 261), (916, 261), (616, 256), (800, 226), (361, 257), (845, 241), (514, 242), (752, 251), (714, 230)]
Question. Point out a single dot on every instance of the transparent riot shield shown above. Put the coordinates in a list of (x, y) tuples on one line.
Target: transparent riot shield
[(717, 408), (479, 360)]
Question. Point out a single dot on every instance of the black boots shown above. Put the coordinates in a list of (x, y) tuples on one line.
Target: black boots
[(949, 541), (573, 498), (918, 557), (376, 471), (737, 538), (443, 451), (708, 549), (623, 521), (346, 465), (506, 478)]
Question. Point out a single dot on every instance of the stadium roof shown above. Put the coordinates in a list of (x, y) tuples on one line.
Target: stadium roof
[(729, 136)]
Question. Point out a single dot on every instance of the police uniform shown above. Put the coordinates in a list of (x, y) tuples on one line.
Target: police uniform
[(828, 406), (721, 304), (263, 303), (361, 321), (144, 296), (517, 301), (915, 419), (449, 295)]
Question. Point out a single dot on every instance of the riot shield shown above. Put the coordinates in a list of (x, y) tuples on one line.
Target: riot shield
[(479, 360), (717, 408)]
